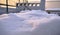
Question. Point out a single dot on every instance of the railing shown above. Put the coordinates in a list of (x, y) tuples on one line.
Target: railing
[(30, 6), (8, 5)]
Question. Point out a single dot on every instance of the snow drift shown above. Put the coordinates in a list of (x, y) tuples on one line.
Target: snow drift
[(35, 22)]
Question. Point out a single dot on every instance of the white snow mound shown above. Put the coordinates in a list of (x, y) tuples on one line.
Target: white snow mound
[(35, 22)]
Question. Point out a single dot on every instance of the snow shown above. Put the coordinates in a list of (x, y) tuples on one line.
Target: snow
[(53, 9), (35, 22)]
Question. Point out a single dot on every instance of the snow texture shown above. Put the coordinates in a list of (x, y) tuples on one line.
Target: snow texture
[(35, 22), (53, 9)]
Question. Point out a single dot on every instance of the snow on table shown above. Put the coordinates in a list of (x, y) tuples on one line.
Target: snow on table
[(53, 9), (27, 23)]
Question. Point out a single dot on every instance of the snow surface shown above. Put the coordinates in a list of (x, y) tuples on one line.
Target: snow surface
[(35, 22), (53, 9)]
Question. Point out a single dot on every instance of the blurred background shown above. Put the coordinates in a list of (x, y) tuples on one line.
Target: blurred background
[(49, 3), (12, 4)]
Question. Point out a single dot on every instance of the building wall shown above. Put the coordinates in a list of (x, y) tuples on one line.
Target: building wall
[(49, 4), (53, 4), (10, 2)]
